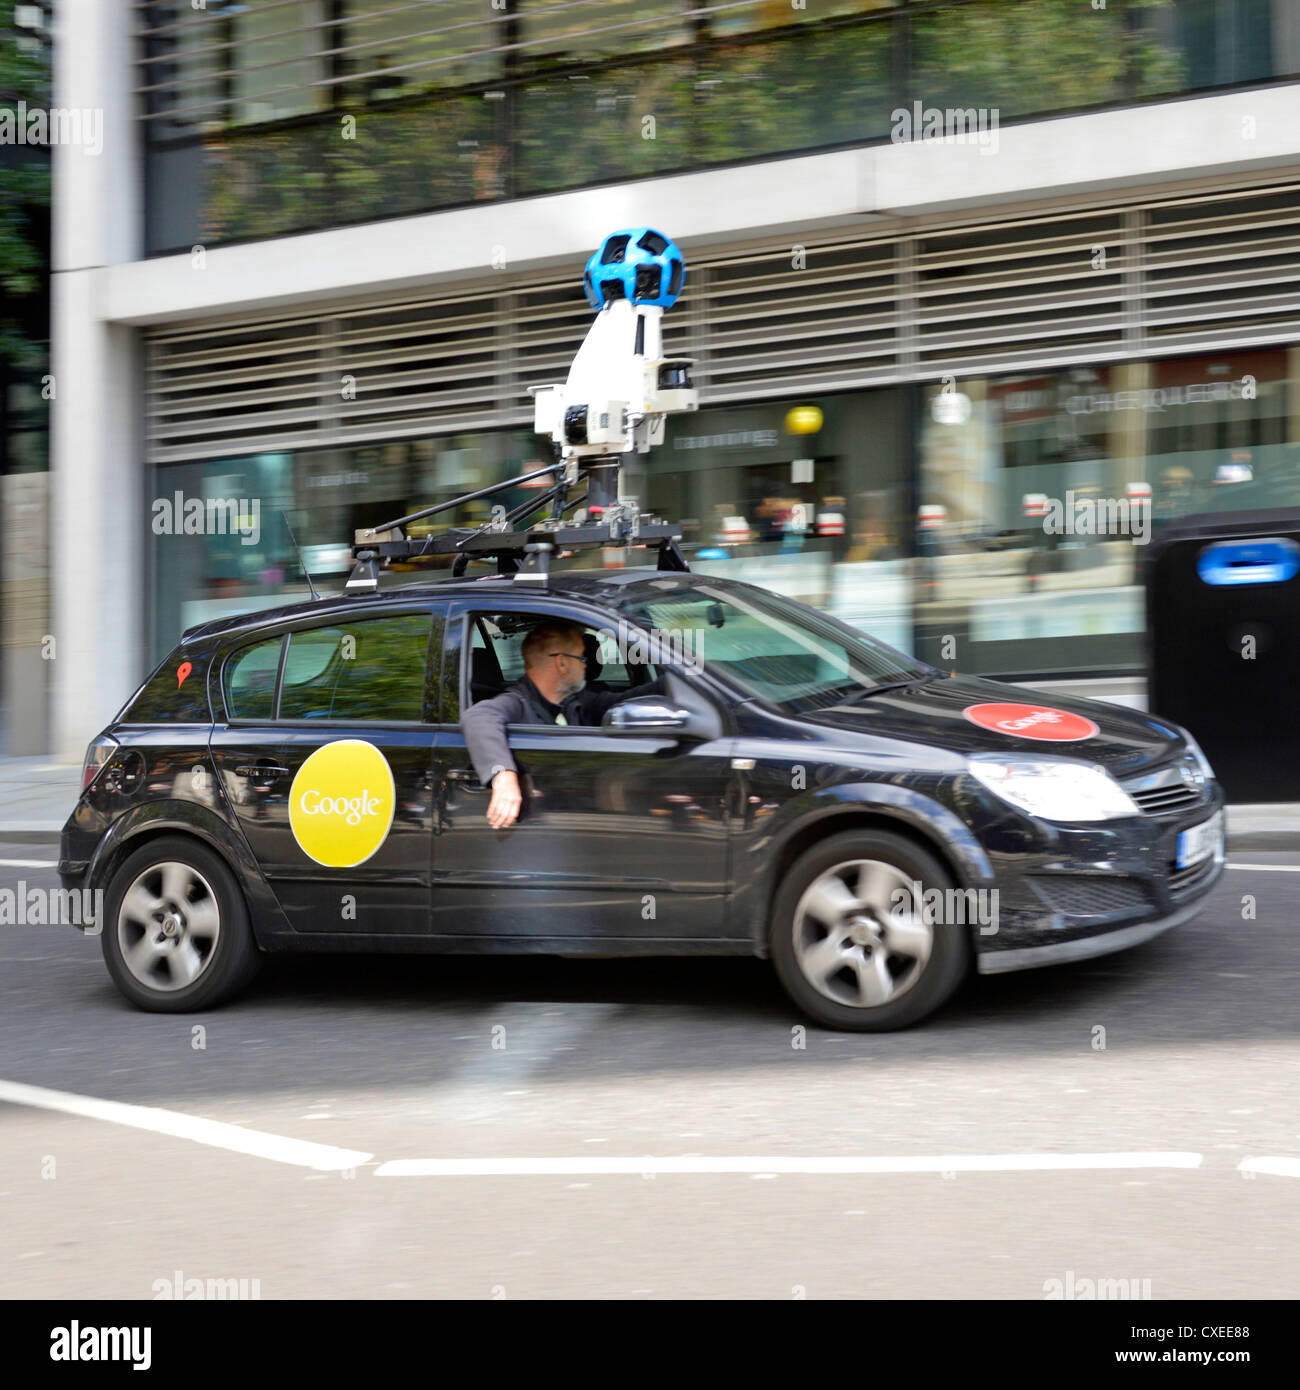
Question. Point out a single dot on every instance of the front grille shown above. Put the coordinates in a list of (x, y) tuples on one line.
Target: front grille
[(1183, 881), (1173, 788), (1160, 800), (1089, 895)]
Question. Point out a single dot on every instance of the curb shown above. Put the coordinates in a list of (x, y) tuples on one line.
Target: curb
[(32, 833)]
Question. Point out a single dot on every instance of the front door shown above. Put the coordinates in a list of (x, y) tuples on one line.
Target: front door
[(326, 758), (622, 837)]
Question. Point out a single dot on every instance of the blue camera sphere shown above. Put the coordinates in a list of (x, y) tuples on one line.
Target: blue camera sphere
[(640, 265)]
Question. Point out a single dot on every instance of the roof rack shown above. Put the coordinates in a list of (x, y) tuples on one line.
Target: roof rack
[(522, 551), (619, 391)]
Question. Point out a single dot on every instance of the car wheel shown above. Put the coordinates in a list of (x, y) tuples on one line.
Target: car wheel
[(176, 932), (852, 940)]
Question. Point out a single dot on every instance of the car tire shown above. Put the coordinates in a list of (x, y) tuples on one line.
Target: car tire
[(176, 932), (850, 951)]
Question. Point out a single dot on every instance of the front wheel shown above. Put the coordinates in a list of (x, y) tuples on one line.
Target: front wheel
[(856, 939), (176, 931)]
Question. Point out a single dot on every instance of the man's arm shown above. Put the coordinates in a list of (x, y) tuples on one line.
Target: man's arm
[(596, 702), (484, 727)]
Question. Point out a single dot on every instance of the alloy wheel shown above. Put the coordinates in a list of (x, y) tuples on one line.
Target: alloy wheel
[(860, 934)]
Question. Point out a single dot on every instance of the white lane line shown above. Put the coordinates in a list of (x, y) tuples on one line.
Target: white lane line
[(215, 1133), (29, 863), (782, 1163), (1268, 868), (1276, 1167)]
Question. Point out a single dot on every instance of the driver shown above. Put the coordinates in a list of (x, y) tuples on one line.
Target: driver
[(551, 691)]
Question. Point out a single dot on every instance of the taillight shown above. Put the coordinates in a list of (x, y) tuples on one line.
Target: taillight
[(97, 755)]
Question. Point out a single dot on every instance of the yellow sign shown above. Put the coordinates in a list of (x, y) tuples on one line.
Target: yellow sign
[(341, 803), (803, 419)]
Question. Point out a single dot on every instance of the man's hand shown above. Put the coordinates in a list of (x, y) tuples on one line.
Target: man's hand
[(503, 809)]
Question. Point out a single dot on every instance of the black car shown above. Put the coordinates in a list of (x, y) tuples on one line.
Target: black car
[(298, 780)]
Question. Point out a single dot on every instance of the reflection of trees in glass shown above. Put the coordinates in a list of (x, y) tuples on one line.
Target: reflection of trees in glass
[(1028, 56), (573, 132), (550, 126), (812, 89), (374, 669), (266, 183)]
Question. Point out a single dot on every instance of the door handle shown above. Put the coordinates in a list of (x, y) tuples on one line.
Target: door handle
[(466, 775), (261, 772)]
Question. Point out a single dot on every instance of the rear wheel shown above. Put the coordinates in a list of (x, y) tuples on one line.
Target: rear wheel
[(855, 939), (176, 932)]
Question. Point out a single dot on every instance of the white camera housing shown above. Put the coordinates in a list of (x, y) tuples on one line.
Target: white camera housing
[(620, 387)]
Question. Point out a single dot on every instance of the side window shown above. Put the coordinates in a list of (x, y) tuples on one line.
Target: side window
[(496, 658), (176, 693), (250, 680), (372, 669)]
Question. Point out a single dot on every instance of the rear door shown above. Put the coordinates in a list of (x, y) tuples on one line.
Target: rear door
[(622, 837), (324, 746)]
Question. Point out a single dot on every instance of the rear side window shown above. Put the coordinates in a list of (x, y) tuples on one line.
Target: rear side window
[(368, 670), (250, 680), (175, 694)]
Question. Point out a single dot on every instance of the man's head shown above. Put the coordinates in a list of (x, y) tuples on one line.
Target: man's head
[(555, 660)]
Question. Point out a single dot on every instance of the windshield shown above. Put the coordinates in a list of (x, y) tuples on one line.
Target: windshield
[(769, 647)]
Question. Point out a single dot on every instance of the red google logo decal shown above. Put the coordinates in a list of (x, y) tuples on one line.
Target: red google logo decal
[(1032, 721)]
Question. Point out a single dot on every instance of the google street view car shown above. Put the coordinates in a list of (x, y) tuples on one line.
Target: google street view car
[(784, 786)]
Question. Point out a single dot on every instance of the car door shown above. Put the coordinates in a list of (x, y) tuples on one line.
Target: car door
[(325, 753), (622, 837)]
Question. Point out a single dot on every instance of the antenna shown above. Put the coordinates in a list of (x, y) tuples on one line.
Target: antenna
[(306, 573)]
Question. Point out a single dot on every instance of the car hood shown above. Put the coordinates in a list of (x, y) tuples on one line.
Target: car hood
[(943, 712)]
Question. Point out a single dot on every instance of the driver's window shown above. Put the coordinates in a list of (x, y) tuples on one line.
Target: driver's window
[(496, 655)]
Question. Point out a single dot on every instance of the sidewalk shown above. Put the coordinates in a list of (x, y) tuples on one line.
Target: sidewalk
[(37, 796)]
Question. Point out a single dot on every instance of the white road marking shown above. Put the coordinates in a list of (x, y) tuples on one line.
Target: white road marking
[(29, 863), (784, 1163), (215, 1133), (1268, 868), (1276, 1167)]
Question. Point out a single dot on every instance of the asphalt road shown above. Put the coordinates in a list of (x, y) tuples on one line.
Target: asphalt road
[(352, 1065)]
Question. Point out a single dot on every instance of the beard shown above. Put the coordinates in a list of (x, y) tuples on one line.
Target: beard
[(568, 691)]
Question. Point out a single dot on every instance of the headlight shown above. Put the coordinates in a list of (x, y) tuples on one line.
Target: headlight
[(1053, 788), (1202, 761)]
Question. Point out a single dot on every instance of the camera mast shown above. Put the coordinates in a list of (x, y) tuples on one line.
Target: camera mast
[(618, 394)]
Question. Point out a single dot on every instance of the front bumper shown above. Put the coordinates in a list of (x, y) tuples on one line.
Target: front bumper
[(1083, 947), (1074, 892)]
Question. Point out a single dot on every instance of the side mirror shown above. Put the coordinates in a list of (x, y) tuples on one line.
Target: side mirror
[(648, 715)]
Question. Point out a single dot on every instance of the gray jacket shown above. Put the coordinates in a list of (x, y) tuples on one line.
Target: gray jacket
[(484, 724)]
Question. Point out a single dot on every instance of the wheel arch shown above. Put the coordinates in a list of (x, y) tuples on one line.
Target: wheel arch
[(927, 825), (163, 820)]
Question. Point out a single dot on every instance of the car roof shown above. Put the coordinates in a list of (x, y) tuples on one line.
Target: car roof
[(612, 587)]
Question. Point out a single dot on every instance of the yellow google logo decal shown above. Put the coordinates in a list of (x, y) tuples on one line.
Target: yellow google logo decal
[(341, 803)]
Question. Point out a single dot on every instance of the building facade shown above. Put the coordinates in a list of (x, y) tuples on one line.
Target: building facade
[(980, 294)]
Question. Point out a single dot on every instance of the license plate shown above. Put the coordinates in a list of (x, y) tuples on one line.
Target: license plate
[(1200, 841)]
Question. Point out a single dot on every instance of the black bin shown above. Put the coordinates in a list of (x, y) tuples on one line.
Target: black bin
[(1223, 644)]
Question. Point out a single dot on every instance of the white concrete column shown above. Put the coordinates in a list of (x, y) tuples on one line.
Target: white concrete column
[(97, 531)]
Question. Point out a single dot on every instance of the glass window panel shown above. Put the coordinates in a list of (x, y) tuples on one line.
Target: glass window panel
[(392, 53), (278, 61), (558, 34), (368, 670), (250, 680)]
